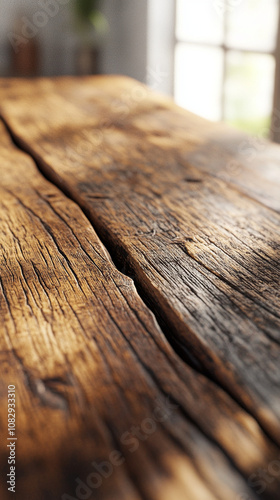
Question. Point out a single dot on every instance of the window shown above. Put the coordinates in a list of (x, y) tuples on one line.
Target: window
[(225, 59)]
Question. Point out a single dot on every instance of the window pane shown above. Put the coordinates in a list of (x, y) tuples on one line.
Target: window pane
[(253, 25), (249, 90), (198, 79), (198, 21)]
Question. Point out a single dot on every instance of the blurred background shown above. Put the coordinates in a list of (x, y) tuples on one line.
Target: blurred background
[(218, 58)]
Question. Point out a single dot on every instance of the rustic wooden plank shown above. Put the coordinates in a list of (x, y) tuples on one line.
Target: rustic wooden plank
[(90, 366), (205, 253), (251, 163)]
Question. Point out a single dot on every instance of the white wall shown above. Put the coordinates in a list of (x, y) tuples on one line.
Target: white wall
[(126, 49)]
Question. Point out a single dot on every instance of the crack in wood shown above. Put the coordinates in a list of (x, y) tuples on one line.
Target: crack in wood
[(160, 373)]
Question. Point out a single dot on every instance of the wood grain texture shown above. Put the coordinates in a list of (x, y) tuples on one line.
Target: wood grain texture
[(202, 248), (90, 367)]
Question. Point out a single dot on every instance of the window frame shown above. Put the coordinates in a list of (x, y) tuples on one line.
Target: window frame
[(275, 113)]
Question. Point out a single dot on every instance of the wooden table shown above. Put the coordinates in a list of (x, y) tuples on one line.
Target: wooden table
[(139, 297)]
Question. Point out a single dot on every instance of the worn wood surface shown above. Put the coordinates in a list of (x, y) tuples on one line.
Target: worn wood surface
[(89, 360), (205, 254), (90, 364)]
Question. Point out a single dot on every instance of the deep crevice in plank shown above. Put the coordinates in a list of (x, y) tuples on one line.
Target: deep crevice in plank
[(122, 262), (118, 257)]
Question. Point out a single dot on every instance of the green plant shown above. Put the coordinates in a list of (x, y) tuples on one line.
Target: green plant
[(89, 16), (86, 9)]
